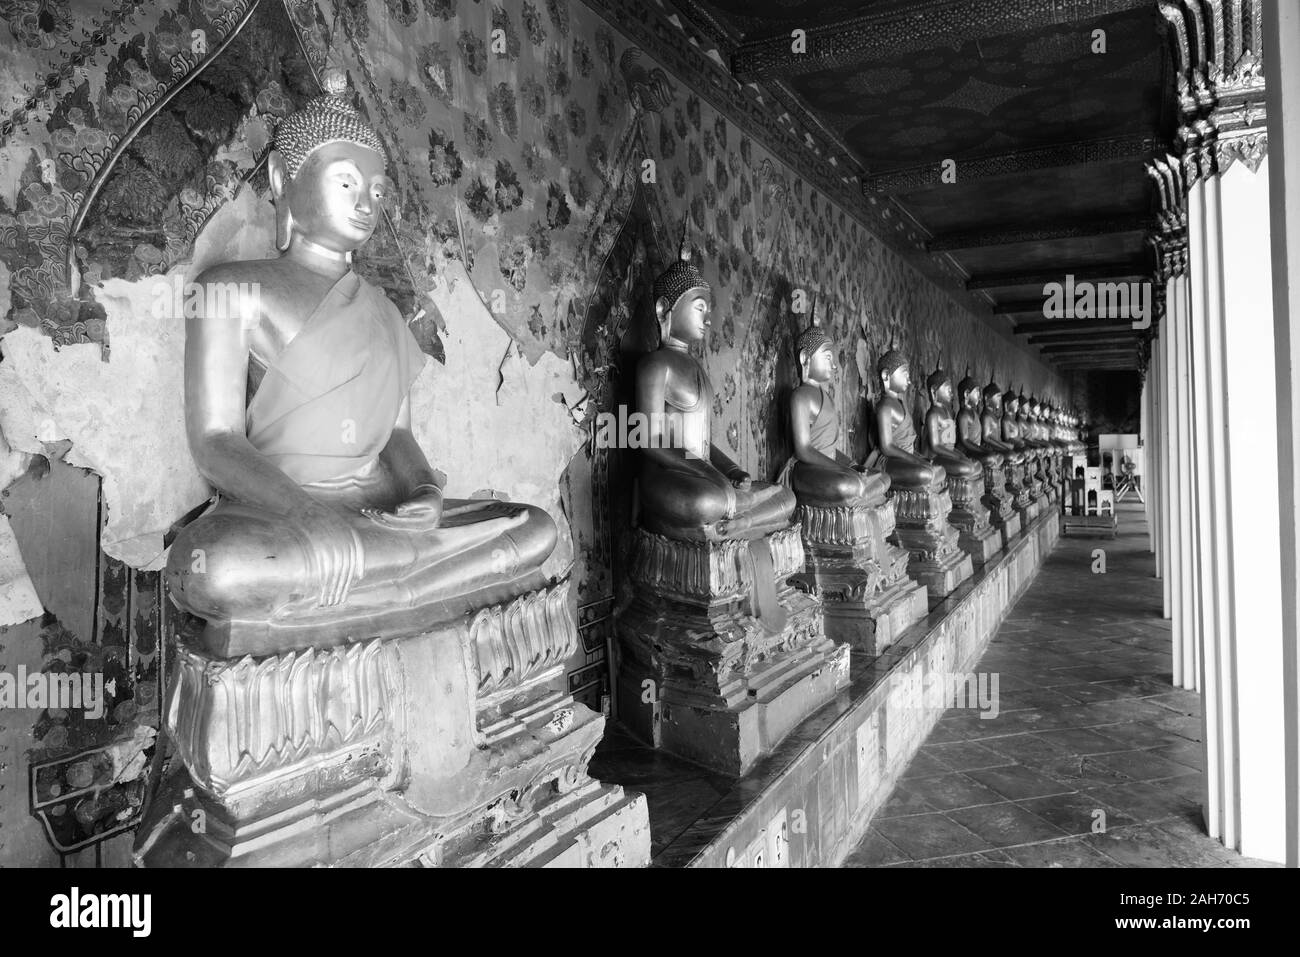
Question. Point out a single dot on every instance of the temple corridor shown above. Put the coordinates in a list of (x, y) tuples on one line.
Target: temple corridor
[(1087, 720)]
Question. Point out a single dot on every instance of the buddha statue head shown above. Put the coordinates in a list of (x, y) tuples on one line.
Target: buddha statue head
[(895, 375), (939, 385), (1022, 402), (682, 299), (1010, 402), (993, 398), (968, 390), (327, 170), (816, 360)]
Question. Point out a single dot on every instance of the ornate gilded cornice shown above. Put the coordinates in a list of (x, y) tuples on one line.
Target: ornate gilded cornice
[(1169, 240), (1220, 83)]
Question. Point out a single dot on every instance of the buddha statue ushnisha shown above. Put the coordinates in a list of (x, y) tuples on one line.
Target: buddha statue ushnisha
[(941, 429), (970, 431), (895, 431), (689, 488), (820, 474), (328, 524)]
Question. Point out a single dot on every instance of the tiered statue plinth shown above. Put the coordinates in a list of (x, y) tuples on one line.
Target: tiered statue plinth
[(455, 746), (976, 534), (936, 559), (703, 672), (860, 575)]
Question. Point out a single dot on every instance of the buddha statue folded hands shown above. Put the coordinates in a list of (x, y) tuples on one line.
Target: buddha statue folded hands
[(328, 523)]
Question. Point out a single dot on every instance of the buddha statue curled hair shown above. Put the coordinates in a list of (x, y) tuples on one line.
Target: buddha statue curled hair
[(328, 118)]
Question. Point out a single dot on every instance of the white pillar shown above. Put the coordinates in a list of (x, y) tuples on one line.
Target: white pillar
[(1203, 486), (1281, 32), (1169, 479), (1253, 711), (1187, 621)]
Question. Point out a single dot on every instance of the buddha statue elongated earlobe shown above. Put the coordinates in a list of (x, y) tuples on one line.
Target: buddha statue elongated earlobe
[(284, 226)]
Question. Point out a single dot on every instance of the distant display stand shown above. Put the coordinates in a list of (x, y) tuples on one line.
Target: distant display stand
[(1091, 507), (1128, 463)]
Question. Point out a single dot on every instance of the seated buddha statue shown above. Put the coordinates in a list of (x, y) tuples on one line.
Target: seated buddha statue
[(328, 523), (689, 488), (820, 474), (991, 426), (895, 431), (941, 429), (970, 432), (1012, 430)]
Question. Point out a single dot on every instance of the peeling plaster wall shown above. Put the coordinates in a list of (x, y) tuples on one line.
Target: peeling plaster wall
[(490, 420)]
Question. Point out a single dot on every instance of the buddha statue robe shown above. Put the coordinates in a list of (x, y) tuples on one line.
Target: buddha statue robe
[(322, 411), (823, 486), (684, 489)]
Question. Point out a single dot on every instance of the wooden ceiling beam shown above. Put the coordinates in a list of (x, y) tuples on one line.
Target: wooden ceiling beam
[(1114, 272), (1071, 325), (931, 175), (1084, 229)]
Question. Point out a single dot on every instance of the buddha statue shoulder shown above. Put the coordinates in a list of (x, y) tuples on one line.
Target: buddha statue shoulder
[(941, 428), (328, 523), (894, 429), (821, 475), (689, 488), (970, 430)]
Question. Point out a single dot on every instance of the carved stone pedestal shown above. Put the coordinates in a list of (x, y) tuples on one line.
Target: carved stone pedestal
[(936, 560), (1000, 503), (703, 676), (860, 577), (1020, 486), (455, 747), (976, 535)]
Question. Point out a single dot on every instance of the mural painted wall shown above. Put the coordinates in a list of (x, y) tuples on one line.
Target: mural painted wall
[(546, 167)]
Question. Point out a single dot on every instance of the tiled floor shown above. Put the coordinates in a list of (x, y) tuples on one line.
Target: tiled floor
[(1089, 731)]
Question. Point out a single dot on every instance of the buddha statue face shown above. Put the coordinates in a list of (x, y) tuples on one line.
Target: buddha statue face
[(897, 381), (336, 196), (941, 394), (686, 320), (971, 398), (820, 366), (993, 402), (1011, 405)]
